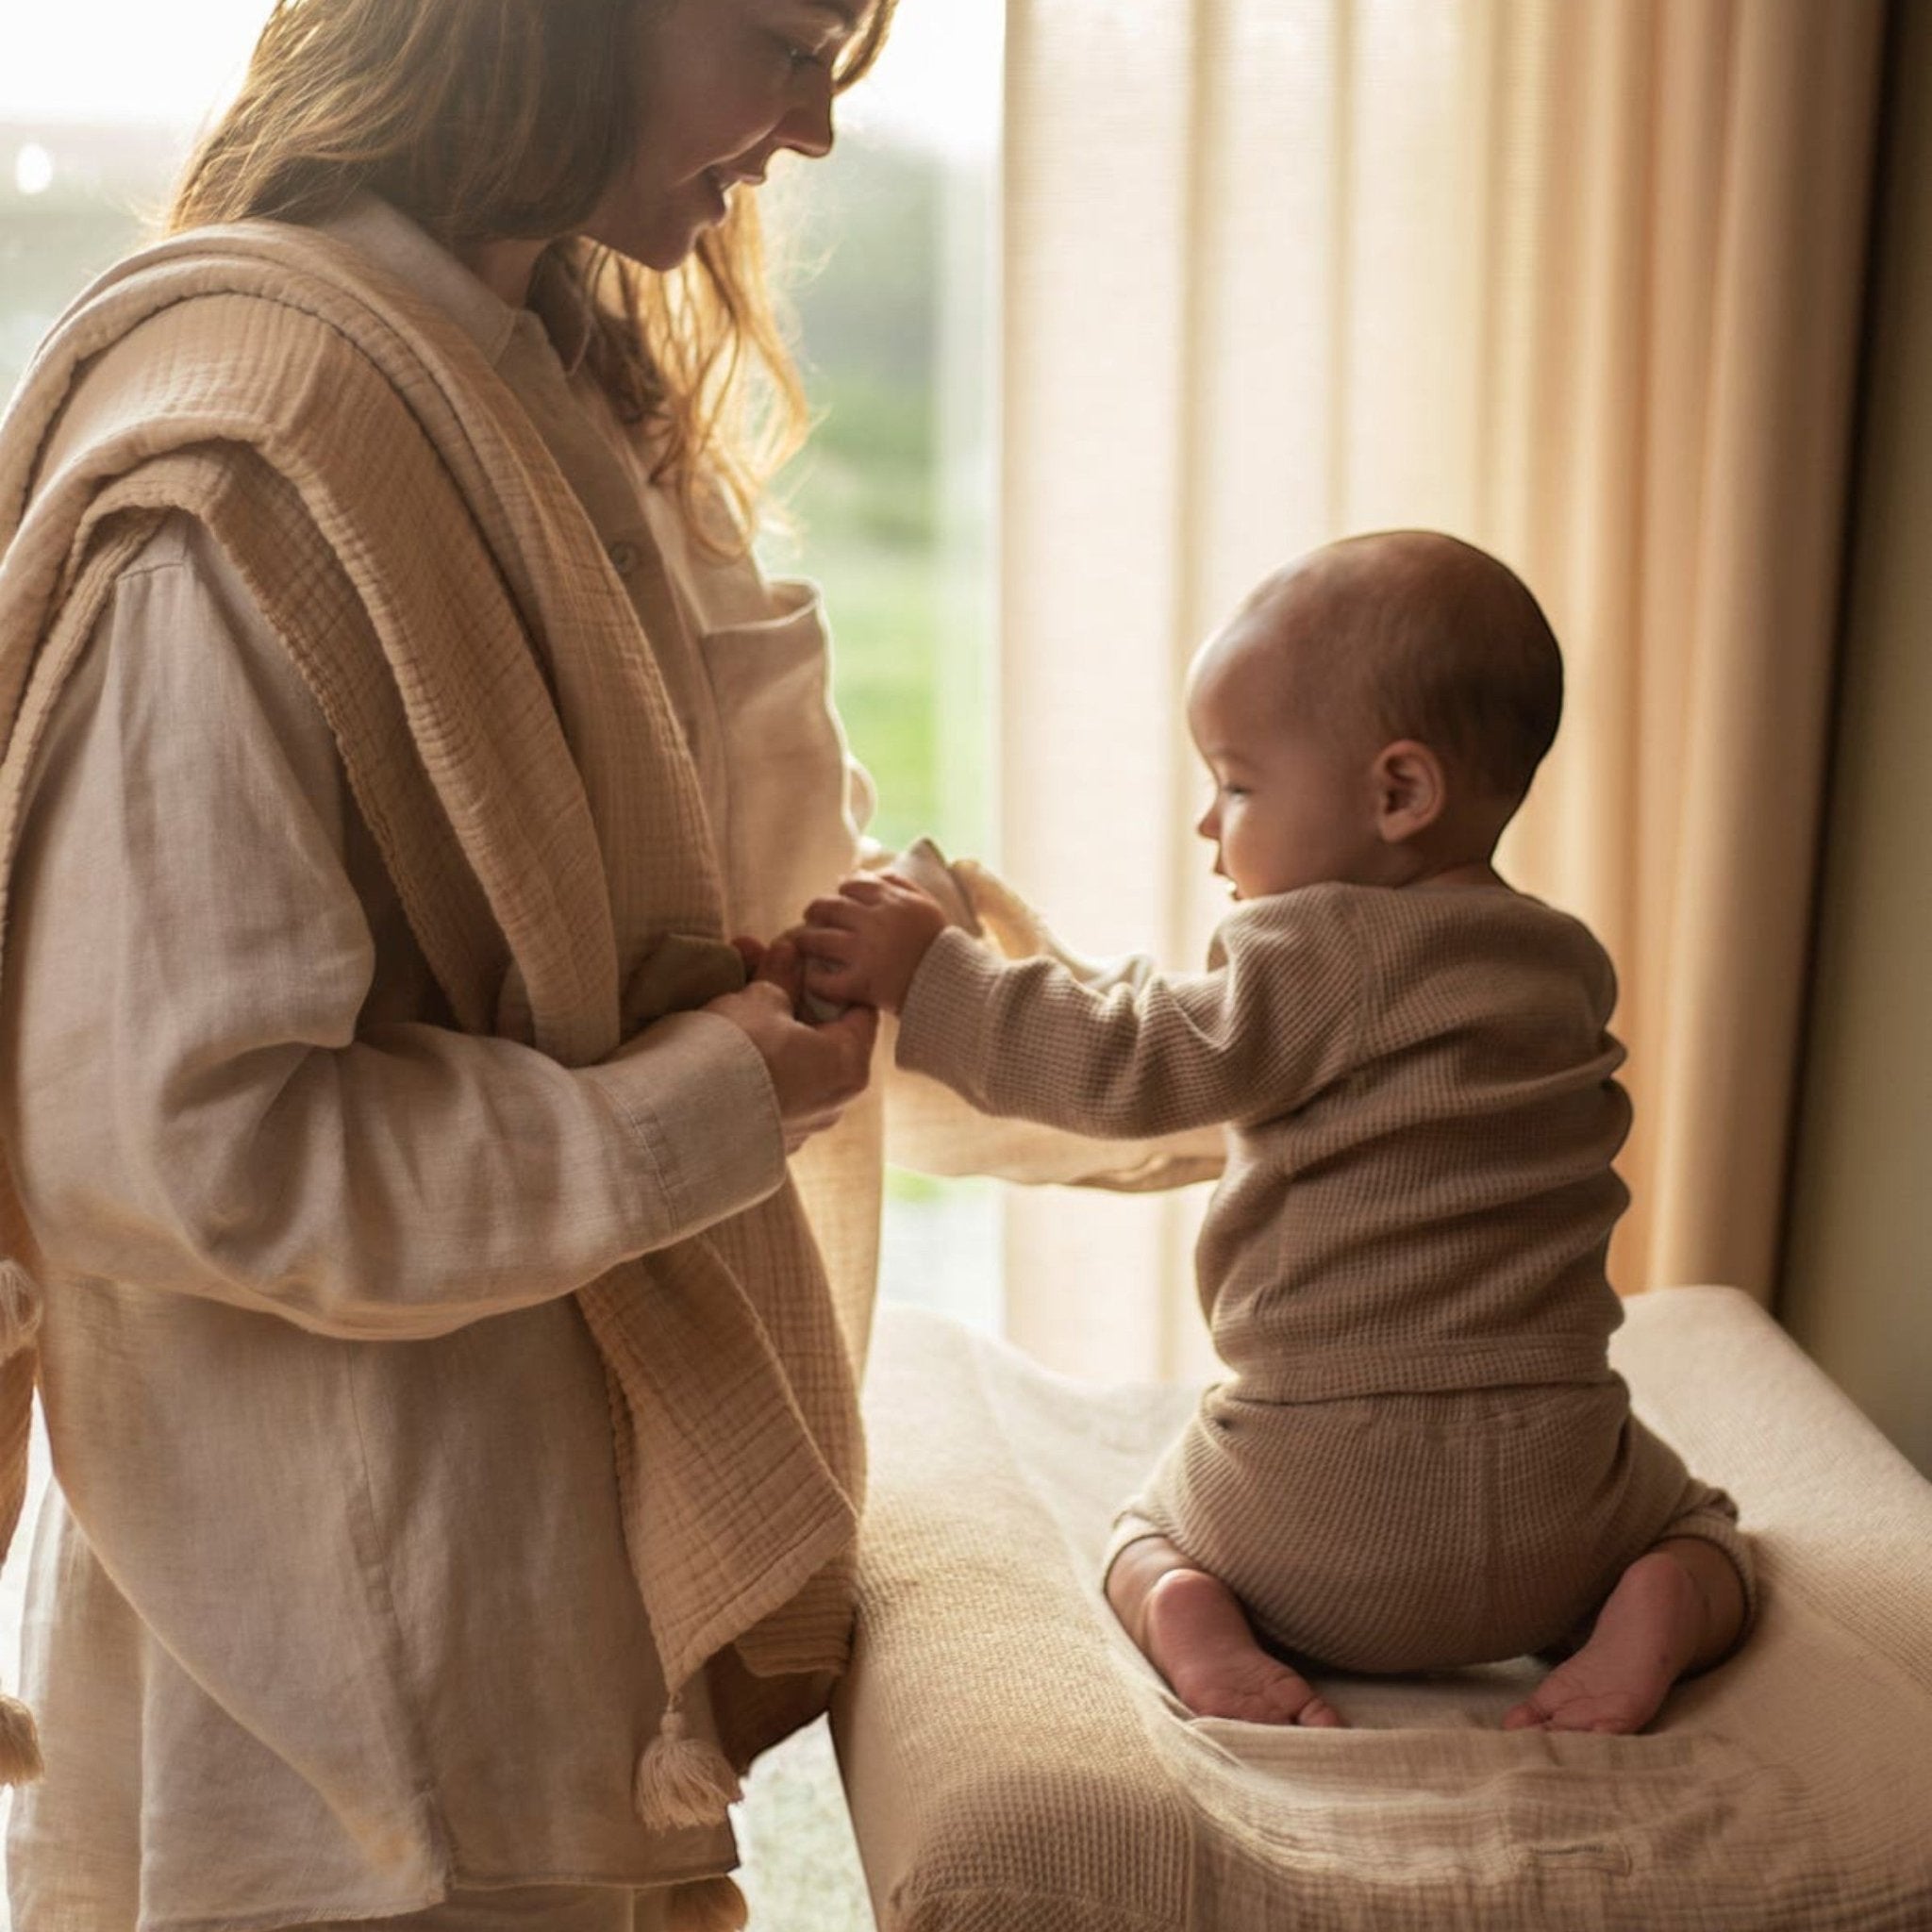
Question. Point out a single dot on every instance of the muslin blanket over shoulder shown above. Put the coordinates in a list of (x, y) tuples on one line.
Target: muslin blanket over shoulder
[(494, 700)]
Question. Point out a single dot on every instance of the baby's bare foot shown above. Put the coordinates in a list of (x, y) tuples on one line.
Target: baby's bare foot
[(1646, 1635), (1197, 1635)]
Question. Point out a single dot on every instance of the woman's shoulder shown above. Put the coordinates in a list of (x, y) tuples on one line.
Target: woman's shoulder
[(182, 620), (182, 544), (182, 547), (184, 691)]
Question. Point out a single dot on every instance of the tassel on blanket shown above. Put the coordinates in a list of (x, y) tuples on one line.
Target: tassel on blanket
[(20, 1743), (706, 1905), (683, 1781)]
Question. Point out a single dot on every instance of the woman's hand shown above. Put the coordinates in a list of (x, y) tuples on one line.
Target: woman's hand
[(815, 1071), (866, 944)]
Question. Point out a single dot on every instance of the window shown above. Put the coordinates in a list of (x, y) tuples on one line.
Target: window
[(893, 239)]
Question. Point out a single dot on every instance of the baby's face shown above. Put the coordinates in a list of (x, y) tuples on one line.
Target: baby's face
[(1291, 807)]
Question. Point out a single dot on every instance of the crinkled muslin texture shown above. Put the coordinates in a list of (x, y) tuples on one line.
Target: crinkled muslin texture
[(447, 604), (1010, 1760)]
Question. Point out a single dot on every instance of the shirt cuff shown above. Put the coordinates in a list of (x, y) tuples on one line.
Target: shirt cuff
[(695, 1093), (944, 1024)]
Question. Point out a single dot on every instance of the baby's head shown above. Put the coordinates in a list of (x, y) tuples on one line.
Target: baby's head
[(1374, 714)]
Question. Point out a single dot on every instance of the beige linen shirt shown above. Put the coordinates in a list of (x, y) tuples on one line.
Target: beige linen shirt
[(329, 1609)]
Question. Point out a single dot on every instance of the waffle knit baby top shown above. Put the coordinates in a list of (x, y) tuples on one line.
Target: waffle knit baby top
[(1422, 1111)]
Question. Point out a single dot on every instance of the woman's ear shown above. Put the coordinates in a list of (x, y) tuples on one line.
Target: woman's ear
[(1412, 789)]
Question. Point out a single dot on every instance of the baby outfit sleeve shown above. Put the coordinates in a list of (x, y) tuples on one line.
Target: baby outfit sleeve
[(1268, 1024), (194, 1093), (932, 1130)]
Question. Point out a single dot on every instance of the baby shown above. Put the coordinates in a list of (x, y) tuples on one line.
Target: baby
[(1420, 1457)]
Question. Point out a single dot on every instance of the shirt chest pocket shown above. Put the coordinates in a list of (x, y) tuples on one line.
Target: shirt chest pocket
[(787, 833)]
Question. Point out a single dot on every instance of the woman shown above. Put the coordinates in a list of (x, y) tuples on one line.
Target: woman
[(454, 1428)]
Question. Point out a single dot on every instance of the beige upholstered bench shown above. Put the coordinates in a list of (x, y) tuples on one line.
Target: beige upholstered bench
[(1013, 1765)]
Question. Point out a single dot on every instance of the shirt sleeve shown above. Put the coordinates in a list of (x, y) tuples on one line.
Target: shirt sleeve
[(1141, 1052), (201, 1098)]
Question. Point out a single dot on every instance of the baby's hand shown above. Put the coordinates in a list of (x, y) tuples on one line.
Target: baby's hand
[(866, 944)]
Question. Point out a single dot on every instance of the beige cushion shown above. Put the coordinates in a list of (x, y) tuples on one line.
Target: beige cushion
[(1013, 1765)]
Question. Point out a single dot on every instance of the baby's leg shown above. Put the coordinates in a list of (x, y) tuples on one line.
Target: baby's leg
[(1195, 1633), (1679, 1607)]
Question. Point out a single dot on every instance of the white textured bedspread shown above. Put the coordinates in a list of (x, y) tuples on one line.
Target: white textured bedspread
[(1013, 1764)]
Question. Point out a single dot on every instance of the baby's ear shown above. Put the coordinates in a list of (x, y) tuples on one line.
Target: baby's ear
[(1412, 789)]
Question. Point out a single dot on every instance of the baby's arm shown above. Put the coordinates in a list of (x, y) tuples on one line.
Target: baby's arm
[(932, 1130), (1270, 1021)]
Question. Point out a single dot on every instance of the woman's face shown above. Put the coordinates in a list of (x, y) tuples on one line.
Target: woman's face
[(723, 86)]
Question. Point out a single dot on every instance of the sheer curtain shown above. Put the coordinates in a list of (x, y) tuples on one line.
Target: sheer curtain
[(1579, 279)]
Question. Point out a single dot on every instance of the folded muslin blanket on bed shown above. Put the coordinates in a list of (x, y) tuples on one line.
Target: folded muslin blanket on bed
[(1011, 1760)]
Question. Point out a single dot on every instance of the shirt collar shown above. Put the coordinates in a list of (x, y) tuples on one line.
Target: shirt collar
[(424, 265)]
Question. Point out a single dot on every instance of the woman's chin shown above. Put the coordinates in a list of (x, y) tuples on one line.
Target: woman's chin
[(662, 247)]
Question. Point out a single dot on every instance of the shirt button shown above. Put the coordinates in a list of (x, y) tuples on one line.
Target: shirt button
[(624, 557)]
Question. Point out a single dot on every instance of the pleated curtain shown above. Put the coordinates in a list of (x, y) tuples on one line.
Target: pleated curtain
[(1579, 280)]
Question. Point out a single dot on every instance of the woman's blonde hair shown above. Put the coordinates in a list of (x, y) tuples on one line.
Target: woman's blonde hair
[(507, 119)]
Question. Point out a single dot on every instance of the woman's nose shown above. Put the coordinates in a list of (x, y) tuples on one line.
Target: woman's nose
[(1209, 823), (807, 129)]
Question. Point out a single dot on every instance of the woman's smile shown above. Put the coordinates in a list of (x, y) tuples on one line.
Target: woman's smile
[(727, 85)]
